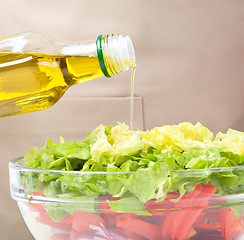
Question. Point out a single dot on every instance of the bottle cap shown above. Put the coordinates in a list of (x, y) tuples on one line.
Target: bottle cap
[(115, 53)]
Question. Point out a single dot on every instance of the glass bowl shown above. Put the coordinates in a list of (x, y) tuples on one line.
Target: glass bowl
[(69, 210)]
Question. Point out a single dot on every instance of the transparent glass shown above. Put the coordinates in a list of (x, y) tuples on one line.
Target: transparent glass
[(200, 214)]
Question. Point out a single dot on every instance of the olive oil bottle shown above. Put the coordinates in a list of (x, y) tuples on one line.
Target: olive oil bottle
[(35, 71)]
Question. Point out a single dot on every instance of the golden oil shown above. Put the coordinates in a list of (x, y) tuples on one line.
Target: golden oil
[(132, 96), (31, 81)]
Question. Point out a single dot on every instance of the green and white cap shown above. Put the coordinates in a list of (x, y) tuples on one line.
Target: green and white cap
[(115, 53)]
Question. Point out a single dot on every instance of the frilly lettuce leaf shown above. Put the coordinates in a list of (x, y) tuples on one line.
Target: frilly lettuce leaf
[(120, 140), (180, 137), (232, 141)]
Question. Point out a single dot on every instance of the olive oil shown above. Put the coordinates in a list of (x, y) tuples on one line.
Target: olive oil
[(31, 82), (35, 71), (132, 96)]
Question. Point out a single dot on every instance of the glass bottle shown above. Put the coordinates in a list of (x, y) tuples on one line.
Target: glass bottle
[(35, 70)]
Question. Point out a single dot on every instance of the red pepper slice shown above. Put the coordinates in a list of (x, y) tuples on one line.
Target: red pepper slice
[(191, 215), (45, 219), (129, 234), (38, 193), (226, 216), (210, 226), (138, 226), (82, 221), (178, 224), (173, 221), (31, 198), (153, 205), (57, 237), (231, 228), (67, 219), (109, 219), (236, 230), (36, 208), (104, 206)]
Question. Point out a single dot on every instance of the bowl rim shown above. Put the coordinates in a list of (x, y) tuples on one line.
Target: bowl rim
[(14, 164)]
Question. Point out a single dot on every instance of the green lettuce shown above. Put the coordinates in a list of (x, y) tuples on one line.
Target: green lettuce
[(135, 166)]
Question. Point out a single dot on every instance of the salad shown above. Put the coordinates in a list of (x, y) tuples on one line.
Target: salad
[(170, 182)]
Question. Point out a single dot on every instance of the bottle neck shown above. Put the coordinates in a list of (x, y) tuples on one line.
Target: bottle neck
[(87, 49), (115, 53)]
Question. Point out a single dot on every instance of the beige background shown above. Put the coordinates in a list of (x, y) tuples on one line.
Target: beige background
[(190, 57)]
